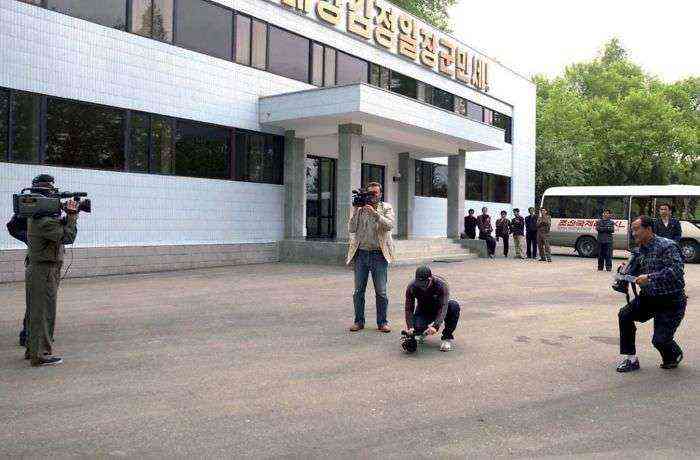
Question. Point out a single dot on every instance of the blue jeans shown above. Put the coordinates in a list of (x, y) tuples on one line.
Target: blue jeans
[(367, 262)]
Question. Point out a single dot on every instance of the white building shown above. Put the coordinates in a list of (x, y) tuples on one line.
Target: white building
[(210, 131)]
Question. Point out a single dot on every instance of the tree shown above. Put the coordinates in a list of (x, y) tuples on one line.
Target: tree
[(607, 122), (435, 12)]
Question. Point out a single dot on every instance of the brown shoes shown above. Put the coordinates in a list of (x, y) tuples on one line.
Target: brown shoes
[(384, 328), (356, 327)]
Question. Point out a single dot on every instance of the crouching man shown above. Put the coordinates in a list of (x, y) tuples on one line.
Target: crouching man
[(432, 295)]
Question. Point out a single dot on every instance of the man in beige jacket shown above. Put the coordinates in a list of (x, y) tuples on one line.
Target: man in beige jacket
[(371, 250)]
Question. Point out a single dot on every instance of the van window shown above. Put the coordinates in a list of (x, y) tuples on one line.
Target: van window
[(553, 205), (598, 204), (641, 205)]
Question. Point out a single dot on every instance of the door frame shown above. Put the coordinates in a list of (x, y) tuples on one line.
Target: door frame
[(333, 232)]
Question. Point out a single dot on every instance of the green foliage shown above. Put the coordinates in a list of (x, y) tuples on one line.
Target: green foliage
[(435, 12), (606, 122)]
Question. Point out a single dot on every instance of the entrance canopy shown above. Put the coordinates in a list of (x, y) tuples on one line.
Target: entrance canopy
[(385, 117)]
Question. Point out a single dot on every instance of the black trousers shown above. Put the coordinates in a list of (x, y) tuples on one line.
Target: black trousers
[(505, 244), (490, 243), (667, 311), (605, 251), (531, 241), (422, 319), (471, 234)]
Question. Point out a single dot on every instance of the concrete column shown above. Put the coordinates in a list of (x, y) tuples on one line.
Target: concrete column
[(294, 185), (407, 190), (455, 194), (348, 175)]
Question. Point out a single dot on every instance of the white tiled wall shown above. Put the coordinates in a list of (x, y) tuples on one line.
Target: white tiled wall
[(142, 210)]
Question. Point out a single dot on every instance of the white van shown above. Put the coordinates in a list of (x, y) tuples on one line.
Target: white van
[(575, 210)]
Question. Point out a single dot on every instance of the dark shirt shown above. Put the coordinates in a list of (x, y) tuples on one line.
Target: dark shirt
[(17, 227), (517, 225), (470, 225), (531, 223), (484, 224), (672, 231), (605, 228), (662, 260), (431, 302), (502, 227)]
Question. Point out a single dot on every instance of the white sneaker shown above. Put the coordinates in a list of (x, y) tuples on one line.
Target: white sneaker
[(420, 338), (446, 345)]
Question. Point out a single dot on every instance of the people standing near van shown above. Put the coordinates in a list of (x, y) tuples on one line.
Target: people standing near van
[(544, 224), (605, 228), (517, 228), (470, 225), (531, 233), (667, 226), (503, 231), (483, 222)]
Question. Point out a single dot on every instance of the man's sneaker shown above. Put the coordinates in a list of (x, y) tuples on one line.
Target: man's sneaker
[(672, 364), (627, 365), (420, 338), (446, 345), (47, 361)]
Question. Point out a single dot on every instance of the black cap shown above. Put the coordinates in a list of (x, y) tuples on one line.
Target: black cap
[(423, 275), (43, 179)]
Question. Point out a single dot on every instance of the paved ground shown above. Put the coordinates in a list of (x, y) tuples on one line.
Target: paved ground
[(255, 362)]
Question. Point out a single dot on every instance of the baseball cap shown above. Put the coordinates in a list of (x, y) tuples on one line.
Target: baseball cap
[(423, 275)]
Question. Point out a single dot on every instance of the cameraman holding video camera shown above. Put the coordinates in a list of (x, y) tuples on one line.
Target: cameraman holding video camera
[(47, 233), (658, 271), (371, 249)]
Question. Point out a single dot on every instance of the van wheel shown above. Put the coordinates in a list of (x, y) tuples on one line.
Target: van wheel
[(587, 246), (690, 250)]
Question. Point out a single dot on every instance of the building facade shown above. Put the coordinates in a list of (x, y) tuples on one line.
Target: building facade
[(224, 127)]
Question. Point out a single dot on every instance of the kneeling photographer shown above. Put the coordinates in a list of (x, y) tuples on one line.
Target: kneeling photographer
[(47, 233), (432, 294), (658, 271)]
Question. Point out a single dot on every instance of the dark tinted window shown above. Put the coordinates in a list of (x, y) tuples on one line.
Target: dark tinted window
[(598, 204), (162, 148), (329, 73), (460, 106), (25, 137), (110, 13), (504, 122), (375, 72), (373, 173), (350, 69), (317, 64), (201, 150), (475, 111), (4, 123), (138, 142), (152, 18), (431, 179), (553, 205), (205, 27), (502, 189), (439, 181), (259, 157), (288, 54), (573, 207), (259, 45), (489, 187), (242, 39), (642, 205), (84, 135), (443, 99), (474, 186), (404, 85)]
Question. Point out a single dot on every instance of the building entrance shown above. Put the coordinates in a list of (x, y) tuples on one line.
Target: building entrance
[(320, 197)]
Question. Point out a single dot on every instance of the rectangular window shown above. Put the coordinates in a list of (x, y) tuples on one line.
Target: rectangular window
[(259, 45), (404, 85), (439, 188), (460, 105), (474, 186), (488, 116), (475, 111), (329, 74), (288, 54), (505, 123), (373, 173), (502, 189), (317, 64), (162, 148), (427, 92), (110, 13), (350, 69), (375, 74), (201, 150), (443, 99), (242, 28), (419, 179), (205, 27), (489, 187), (598, 204), (25, 111), (553, 205), (4, 124), (152, 19), (84, 135), (259, 157), (139, 127)]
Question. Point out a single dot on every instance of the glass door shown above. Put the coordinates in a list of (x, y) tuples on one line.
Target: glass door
[(320, 197)]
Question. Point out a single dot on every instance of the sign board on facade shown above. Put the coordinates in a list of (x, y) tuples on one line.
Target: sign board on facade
[(400, 33)]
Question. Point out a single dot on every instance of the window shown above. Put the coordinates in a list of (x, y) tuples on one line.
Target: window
[(427, 92), (439, 181), (443, 99), (201, 150), (475, 111), (242, 28), (288, 54), (162, 159), (350, 69), (25, 111), (431, 179), (596, 206), (84, 135), (474, 186), (553, 205), (110, 13), (33, 2), (204, 27), (316, 64), (502, 189), (259, 45), (375, 75), (153, 19), (4, 124), (488, 116), (373, 173), (259, 157), (489, 187), (506, 123), (460, 106), (404, 85), (139, 142), (573, 207), (329, 74)]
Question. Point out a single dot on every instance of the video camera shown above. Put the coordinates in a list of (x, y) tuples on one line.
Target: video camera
[(35, 202), (361, 198), (409, 342), (627, 275)]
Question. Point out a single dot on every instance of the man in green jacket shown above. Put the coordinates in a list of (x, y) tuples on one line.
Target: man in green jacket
[(46, 237)]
